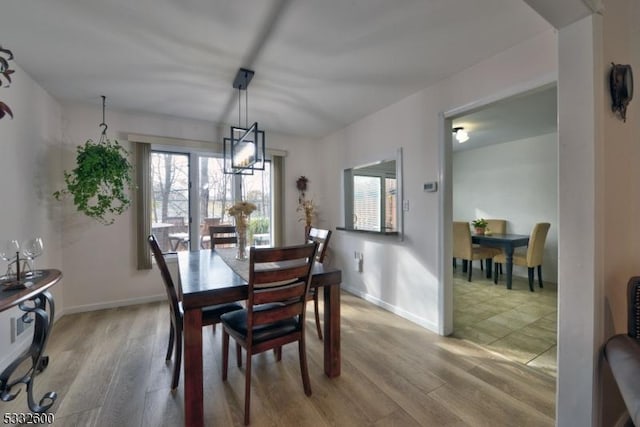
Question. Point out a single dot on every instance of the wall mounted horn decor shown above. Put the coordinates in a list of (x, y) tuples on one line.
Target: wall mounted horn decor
[(621, 87)]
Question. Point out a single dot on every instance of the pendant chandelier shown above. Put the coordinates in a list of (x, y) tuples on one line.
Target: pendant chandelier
[(244, 149)]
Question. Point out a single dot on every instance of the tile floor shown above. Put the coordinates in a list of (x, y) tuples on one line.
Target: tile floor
[(516, 323)]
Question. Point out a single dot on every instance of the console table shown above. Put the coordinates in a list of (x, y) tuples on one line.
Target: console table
[(31, 295)]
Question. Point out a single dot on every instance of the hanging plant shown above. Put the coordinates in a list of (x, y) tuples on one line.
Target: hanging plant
[(100, 181), (5, 56)]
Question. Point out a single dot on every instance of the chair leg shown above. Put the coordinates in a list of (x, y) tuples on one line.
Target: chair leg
[(172, 337), (481, 266), (239, 355), (495, 273), (530, 271), (225, 354), (540, 276), (469, 268), (455, 264), (278, 353), (303, 367), (178, 362), (247, 389), (315, 308)]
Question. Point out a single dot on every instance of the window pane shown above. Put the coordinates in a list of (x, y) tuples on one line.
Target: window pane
[(366, 202), (391, 200), (170, 200), (256, 189), (215, 196)]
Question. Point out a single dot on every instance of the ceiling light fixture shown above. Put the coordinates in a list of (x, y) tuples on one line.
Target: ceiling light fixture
[(244, 150), (461, 134)]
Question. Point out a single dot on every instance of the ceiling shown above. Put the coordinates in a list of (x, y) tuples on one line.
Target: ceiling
[(523, 116), (319, 65)]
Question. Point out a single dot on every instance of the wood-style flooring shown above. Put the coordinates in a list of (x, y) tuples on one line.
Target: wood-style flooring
[(516, 323), (108, 369)]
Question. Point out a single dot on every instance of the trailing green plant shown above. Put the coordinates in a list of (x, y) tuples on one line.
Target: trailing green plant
[(100, 181)]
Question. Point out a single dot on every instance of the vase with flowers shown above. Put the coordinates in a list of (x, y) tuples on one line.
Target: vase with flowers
[(308, 212), (241, 212)]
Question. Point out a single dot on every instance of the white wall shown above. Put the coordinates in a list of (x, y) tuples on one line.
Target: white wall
[(29, 164), (99, 261), (403, 276), (516, 181)]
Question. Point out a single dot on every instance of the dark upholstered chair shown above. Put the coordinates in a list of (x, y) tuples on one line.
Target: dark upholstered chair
[(322, 238), (210, 315), (279, 281)]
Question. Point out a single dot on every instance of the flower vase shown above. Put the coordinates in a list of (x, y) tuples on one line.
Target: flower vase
[(307, 230), (241, 253)]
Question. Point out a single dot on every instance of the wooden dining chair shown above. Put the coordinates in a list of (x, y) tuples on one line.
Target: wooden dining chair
[(279, 281), (533, 256), (322, 238), (464, 249), (210, 315), (223, 234), (495, 226), (205, 236)]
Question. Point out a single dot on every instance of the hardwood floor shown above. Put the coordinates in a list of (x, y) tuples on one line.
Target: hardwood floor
[(108, 368)]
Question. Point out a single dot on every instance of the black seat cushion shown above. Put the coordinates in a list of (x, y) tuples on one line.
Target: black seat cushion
[(237, 320), (215, 311)]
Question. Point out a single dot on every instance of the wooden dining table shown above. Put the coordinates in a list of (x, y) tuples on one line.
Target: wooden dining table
[(508, 242), (205, 278)]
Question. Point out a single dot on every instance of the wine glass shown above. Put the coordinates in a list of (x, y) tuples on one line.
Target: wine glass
[(8, 252), (32, 249)]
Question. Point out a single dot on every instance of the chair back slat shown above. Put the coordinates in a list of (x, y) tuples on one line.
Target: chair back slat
[(169, 286), (278, 294), (281, 277), (535, 251), (286, 311)]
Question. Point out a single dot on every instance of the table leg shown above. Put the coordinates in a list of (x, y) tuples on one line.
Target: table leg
[(332, 331), (488, 262), (509, 256), (193, 388)]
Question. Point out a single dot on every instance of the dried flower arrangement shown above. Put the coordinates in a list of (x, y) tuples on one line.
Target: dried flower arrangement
[(241, 211), (308, 209)]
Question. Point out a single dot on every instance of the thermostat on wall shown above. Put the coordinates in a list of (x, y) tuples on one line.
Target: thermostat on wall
[(431, 187)]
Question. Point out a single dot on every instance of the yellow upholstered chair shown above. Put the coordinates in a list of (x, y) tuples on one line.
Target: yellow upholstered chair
[(464, 249), (495, 226), (533, 256)]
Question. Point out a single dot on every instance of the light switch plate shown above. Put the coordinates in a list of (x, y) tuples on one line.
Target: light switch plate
[(431, 187)]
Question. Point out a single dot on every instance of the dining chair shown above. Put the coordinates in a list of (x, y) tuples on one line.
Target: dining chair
[(322, 237), (279, 281), (223, 234), (178, 234), (205, 237), (464, 249), (210, 315), (532, 258), (495, 226)]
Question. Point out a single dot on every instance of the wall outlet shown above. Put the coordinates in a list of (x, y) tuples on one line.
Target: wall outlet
[(19, 326)]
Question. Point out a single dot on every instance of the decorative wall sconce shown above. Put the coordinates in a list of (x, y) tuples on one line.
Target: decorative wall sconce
[(5, 56), (461, 134), (621, 88)]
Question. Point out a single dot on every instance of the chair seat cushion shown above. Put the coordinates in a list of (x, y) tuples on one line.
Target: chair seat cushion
[(215, 311), (237, 321)]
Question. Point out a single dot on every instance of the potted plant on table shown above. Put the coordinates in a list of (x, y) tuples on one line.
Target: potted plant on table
[(480, 225)]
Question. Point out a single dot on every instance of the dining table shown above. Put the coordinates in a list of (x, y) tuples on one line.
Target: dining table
[(508, 242), (208, 277)]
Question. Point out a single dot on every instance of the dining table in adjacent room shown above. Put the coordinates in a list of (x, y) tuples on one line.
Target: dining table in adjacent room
[(209, 277), (508, 242)]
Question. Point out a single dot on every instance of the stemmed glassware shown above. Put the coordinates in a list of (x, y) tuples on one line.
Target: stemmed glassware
[(9, 252), (32, 249)]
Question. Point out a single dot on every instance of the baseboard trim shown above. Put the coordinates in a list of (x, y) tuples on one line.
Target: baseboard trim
[(393, 309), (113, 304)]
